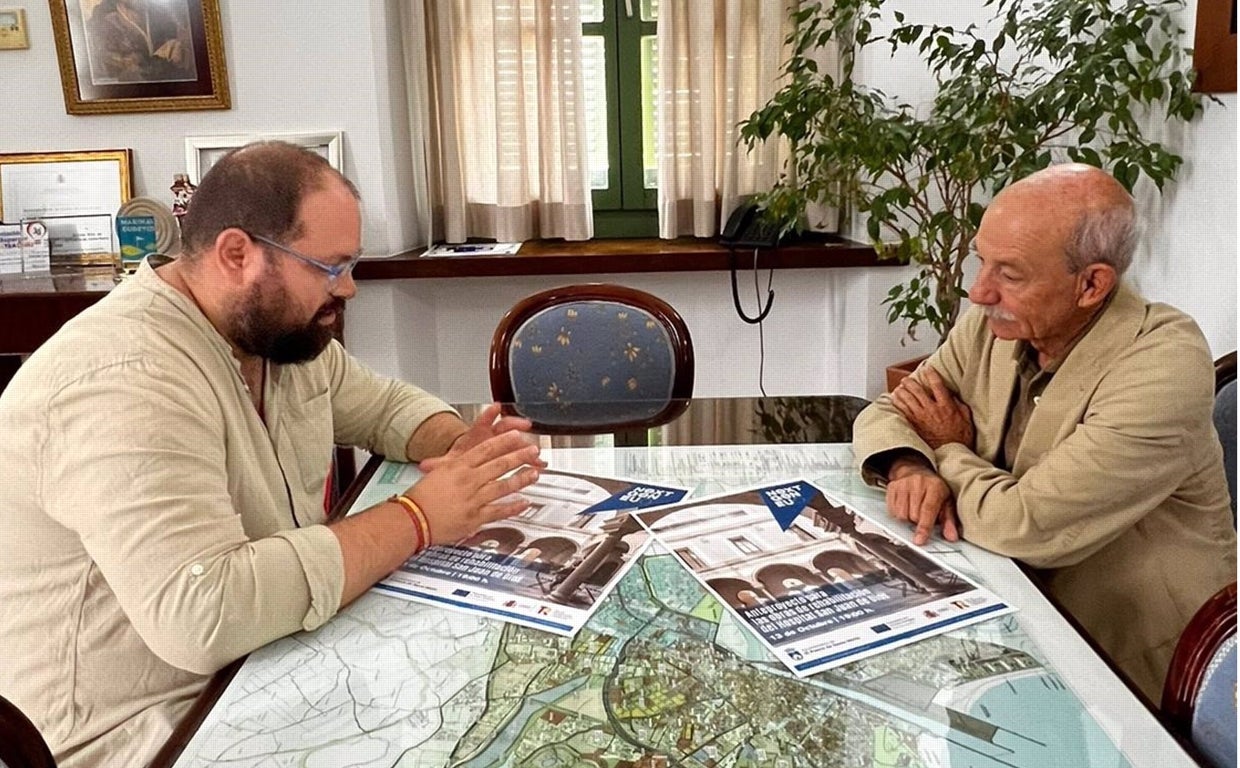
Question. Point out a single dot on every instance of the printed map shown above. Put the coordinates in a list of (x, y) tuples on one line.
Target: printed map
[(660, 676)]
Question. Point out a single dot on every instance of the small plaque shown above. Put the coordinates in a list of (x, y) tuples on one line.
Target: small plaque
[(13, 29), (10, 249), (137, 238), (36, 247)]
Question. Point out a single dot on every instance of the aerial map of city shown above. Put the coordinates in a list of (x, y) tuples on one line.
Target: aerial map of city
[(661, 675)]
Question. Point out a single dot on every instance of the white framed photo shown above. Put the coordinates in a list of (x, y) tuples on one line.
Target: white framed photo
[(201, 152)]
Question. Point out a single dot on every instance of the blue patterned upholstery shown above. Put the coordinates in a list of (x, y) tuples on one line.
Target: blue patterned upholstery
[(593, 357), (1214, 717), (591, 361)]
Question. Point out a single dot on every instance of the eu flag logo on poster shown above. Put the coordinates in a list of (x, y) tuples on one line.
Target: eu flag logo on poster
[(786, 501), (637, 497)]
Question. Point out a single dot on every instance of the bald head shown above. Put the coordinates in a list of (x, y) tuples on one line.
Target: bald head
[(1092, 213)]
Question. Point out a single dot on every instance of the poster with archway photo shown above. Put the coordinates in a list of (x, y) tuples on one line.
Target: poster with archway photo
[(140, 55), (549, 567), (819, 583)]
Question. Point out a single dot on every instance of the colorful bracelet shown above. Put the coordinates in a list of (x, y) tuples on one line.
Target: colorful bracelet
[(422, 527)]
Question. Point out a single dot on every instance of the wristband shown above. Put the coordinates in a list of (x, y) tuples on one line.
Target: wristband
[(422, 527)]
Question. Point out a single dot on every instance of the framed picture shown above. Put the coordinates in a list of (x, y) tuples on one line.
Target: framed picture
[(140, 55), (75, 194), (201, 152)]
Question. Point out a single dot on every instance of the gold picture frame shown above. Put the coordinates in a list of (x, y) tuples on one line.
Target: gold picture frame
[(107, 66), (75, 194)]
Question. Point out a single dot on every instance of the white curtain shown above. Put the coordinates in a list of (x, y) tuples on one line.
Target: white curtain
[(498, 114), (718, 62)]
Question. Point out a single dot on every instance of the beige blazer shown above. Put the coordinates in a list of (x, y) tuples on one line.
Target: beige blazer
[(1117, 492)]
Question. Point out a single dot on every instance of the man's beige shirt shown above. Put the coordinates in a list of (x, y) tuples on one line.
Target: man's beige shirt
[(154, 528)]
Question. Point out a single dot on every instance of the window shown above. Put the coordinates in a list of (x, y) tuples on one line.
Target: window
[(744, 545), (559, 118), (691, 559), (620, 67)]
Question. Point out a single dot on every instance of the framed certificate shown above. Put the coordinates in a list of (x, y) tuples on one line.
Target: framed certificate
[(72, 192)]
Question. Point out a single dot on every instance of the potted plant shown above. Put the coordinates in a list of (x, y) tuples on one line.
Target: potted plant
[(1045, 81)]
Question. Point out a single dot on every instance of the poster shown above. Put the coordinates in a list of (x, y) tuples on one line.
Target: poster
[(548, 567), (820, 584)]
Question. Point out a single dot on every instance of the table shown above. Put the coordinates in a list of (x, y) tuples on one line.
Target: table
[(661, 676)]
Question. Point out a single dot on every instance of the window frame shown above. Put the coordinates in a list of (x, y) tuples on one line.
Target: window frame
[(626, 208)]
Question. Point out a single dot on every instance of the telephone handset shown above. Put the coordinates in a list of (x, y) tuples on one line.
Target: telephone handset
[(748, 227)]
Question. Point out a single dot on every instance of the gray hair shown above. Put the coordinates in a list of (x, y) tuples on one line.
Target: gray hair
[(1103, 236)]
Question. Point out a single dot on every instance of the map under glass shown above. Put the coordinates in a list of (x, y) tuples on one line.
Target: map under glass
[(661, 675)]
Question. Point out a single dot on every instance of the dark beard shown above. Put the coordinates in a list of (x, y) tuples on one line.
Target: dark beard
[(257, 330)]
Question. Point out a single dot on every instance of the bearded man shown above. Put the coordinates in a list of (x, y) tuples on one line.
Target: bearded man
[(165, 455)]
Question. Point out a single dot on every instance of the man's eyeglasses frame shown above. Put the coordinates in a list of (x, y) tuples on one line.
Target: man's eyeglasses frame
[(333, 271)]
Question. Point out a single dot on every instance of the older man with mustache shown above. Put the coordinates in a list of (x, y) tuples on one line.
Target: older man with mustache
[(1066, 422), (164, 460)]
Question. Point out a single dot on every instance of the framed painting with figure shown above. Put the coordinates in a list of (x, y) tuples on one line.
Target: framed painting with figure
[(140, 55)]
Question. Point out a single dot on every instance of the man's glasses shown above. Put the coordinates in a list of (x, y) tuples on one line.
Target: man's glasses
[(334, 271)]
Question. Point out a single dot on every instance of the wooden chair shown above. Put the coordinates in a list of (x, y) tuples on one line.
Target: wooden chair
[(1225, 418), (1224, 371), (1199, 697), (21, 744), (590, 358)]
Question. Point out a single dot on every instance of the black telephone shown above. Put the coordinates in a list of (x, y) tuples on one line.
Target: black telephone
[(748, 227)]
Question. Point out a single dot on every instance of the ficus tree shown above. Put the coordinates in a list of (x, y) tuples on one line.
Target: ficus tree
[(1044, 81)]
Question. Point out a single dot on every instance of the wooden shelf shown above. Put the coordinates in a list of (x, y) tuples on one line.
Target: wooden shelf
[(556, 257)]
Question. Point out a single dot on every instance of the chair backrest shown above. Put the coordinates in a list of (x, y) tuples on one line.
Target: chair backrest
[(1199, 697), (1225, 425), (1224, 371), (593, 357), (21, 745)]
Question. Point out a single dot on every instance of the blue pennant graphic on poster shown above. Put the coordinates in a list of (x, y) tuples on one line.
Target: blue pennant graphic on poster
[(637, 497), (786, 501)]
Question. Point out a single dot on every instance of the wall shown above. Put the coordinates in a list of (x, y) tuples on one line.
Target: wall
[(827, 332), (437, 332), (337, 85)]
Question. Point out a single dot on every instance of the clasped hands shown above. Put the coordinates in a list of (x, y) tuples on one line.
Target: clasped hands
[(915, 492), (470, 485)]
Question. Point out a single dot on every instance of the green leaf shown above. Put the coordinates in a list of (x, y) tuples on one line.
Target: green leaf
[(1075, 80)]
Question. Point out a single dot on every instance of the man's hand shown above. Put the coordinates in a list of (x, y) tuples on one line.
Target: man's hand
[(916, 494), (488, 424), (465, 491), (937, 415)]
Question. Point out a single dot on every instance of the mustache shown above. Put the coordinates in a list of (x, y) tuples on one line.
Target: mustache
[(336, 306), (995, 313)]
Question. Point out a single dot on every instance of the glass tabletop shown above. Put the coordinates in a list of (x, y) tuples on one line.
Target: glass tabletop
[(662, 673)]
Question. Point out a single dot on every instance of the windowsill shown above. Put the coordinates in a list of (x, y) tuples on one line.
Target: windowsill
[(557, 257)]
